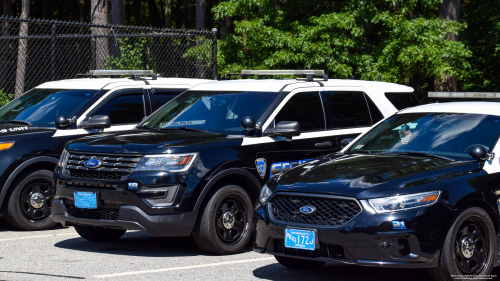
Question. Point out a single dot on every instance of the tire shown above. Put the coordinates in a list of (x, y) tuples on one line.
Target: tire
[(225, 226), (99, 234), (474, 223), (299, 263), (28, 203)]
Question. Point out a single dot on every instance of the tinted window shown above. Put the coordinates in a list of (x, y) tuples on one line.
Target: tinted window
[(374, 111), (348, 109), (305, 108), (215, 111), (162, 96), (402, 100), (124, 109), (40, 107)]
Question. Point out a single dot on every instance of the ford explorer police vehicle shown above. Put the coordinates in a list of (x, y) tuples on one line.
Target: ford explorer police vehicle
[(35, 127), (196, 166)]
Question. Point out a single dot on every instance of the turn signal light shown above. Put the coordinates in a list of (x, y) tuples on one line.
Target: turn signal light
[(430, 198), (6, 145)]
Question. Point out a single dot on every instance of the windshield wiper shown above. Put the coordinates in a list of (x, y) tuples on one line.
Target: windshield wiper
[(144, 127), (420, 154), (17, 121), (358, 151), (183, 129)]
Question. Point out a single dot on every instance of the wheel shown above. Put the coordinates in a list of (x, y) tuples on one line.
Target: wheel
[(299, 263), (27, 205), (225, 225), (99, 234), (469, 247)]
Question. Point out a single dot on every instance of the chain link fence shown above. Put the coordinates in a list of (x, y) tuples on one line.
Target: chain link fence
[(35, 51)]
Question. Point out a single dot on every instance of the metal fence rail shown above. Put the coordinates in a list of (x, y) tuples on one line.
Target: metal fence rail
[(35, 51)]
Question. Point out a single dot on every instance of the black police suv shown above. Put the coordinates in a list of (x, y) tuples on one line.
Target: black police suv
[(419, 190), (35, 128), (191, 168)]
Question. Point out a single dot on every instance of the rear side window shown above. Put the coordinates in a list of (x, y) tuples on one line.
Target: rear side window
[(374, 111), (348, 109), (162, 96), (402, 100), (305, 108), (124, 109)]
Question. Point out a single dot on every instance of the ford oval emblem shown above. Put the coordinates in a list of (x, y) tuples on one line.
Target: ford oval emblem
[(93, 163), (307, 209)]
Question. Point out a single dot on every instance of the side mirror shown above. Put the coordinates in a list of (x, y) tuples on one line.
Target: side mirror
[(96, 122), (62, 122), (480, 153), (286, 129), (248, 123), (345, 142)]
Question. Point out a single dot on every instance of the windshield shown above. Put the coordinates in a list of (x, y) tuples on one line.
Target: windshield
[(219, 112), (446, 134), (40, 107)]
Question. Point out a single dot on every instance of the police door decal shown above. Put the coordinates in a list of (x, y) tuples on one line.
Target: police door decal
[(260, 164), (281, 167)]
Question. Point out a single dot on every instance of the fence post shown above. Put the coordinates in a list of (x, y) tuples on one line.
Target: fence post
[(214, 53), (92, 52), (53, 53)]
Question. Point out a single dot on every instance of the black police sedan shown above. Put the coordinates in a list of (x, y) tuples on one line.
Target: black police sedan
[(419, 190)]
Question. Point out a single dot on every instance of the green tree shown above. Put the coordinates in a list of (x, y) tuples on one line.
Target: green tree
[(401, 40)]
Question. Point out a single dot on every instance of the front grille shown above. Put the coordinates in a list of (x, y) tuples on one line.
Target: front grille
[(94, 214), (335, 212), (325, 250), (113, 168)]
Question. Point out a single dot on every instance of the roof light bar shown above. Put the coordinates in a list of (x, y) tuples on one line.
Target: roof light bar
[(309, 73), (465, 95), (134, 74)]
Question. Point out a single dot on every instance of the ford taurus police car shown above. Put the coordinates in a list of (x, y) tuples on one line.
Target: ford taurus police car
[(191, 168), (35, 127), (419, 190)]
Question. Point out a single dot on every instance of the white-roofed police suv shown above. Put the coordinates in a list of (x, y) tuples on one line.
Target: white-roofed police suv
[(418, 190), (35, 128), (197, 165)]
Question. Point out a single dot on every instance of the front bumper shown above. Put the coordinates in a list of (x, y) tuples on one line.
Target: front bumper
[(367, 240), (131, 218)]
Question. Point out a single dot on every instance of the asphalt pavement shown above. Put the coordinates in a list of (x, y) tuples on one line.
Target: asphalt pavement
[(60, 254)]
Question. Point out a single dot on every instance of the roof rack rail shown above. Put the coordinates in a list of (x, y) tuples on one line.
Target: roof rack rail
[(134, 74), (465, 95), (309, 74)]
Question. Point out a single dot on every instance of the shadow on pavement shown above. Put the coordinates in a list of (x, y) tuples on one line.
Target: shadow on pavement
[(139, 244), (5, 226), (340, 272)]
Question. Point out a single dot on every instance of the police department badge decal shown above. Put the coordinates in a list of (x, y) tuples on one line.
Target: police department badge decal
[(260, 164)]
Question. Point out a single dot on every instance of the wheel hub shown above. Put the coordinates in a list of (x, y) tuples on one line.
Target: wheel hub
[(228, 219), (37, 200), (467, 247)]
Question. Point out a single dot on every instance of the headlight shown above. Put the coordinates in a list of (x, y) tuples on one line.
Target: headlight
[(265, 193), (404, 202), (62, 159), (165, 162)]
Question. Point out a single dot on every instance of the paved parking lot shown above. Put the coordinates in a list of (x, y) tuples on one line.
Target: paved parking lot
[(61, 254)]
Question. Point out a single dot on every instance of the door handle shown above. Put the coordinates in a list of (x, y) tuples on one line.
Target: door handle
[(323, 144)]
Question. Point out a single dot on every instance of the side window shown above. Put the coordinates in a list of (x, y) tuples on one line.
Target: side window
[(348, 109), (305, 108), (124, 109), (402, 100), (162, 96), (374, 111)]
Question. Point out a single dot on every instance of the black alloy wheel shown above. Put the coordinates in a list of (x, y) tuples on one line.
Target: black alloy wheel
[(231, 219), (225, 225), (471, 247), (36, 199)]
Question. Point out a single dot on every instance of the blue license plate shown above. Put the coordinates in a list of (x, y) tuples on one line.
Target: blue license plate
[(85, 200), (299, 239)]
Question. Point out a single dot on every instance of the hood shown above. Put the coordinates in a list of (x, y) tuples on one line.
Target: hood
[(149, 142), (368, 176), (9, 131)]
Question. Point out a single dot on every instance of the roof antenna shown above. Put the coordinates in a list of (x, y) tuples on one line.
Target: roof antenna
[(379, 77)]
